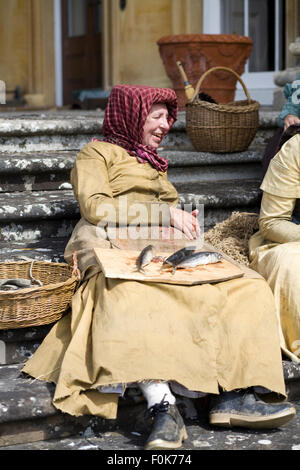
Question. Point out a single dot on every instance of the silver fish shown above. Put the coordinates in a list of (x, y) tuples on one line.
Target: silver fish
[(14, 284), (144, 258), (178, 256), (199, 258)]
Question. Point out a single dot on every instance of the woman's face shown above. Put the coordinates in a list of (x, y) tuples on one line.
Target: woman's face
[(156, 125)]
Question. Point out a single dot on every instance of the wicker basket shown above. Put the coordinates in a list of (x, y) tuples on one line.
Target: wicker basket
[(39, 305), (221, 128)]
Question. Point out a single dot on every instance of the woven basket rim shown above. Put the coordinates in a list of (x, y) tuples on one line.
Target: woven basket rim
[(226, 107), (38, 305), (38, 289), (37, 261)]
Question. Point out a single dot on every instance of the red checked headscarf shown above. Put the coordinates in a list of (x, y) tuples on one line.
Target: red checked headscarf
[(125, 116)]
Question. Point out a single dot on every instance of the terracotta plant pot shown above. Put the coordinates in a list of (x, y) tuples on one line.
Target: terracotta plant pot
[(200, 52)]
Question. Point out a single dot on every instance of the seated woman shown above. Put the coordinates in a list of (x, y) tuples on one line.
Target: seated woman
[(289, 115), (164, 339), (275, 249)]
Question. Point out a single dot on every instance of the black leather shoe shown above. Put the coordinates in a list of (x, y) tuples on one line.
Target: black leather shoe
[(168, 429), (245, 409)]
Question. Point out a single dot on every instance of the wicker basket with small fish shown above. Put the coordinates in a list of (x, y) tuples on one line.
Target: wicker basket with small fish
[(34, 293)]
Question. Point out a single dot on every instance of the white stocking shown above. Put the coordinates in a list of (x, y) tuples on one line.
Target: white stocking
[(155, 392)]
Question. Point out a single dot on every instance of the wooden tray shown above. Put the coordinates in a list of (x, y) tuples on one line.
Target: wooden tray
[(121, 264)]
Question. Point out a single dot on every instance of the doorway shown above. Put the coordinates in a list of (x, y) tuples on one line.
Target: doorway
[(81, 46)]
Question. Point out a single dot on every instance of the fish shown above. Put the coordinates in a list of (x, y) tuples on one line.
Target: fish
[(199, 258), (178, 256), (145, 257), (15, 284)]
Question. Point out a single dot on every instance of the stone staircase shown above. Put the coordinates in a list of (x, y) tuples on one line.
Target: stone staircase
[(38, 212), (37, 152)]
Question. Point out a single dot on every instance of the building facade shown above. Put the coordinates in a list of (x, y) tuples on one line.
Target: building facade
[(49, 48)]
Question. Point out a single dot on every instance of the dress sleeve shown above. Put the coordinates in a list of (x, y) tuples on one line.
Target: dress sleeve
[(275, 219), (281, 186), (90, 181), (283, 175)]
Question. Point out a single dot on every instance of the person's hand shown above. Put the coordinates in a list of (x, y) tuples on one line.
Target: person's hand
[(186, 222), (289, 120)]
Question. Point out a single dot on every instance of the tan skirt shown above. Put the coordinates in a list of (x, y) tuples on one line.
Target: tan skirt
[(202, 337), (280, 266)]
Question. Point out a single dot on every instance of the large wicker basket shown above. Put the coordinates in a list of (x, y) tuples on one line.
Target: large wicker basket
[(39, 305), (221, 128)]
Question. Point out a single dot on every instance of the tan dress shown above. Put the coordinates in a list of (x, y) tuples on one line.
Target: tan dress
[(122, 332), (275, 249)]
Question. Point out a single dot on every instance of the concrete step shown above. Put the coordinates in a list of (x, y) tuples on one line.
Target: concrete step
[(47, 131), (35, 171), (27, 414), (220, 198), (42, 171), (36, 198), (45, 249), (18, 345), (220, 194), (33, 215), (125, 442), (196, 167), (71, 130)]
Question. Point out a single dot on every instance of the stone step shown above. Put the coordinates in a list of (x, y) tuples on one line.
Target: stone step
[(125, 442), (220, 194), (44, 131), (17, 345), (33, 215), (37, 205), (45, 249), (28, 415), (42, 171), (35, 171), (71, 130), (197, 167)]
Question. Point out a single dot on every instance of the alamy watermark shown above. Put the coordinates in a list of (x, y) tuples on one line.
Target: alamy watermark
[(123, 219), (2, 92)]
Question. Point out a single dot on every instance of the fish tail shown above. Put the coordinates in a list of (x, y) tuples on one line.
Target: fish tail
[(141, 270)]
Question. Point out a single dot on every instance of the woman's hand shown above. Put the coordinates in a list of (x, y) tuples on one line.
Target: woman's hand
[(186, 222), (289, 120)]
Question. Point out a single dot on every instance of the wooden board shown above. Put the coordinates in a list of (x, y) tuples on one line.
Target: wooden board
[(121, 264)]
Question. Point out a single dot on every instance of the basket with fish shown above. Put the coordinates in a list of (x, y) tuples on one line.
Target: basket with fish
[(186, 266), (34, 293)]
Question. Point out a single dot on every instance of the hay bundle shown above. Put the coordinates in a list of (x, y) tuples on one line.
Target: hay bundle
[(232, 235)]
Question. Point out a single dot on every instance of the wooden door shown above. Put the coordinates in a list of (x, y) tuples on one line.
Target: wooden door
[(82, 37)]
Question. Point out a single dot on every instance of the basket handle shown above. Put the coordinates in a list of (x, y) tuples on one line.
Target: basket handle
[(202, 78)]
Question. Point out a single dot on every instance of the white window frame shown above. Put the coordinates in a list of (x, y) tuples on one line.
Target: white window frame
[(58, 53), (260, 84)]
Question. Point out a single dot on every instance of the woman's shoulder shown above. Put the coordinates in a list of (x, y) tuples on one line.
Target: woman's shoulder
[(285, 166), (282, 176), (97, 149), (290, 151)]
